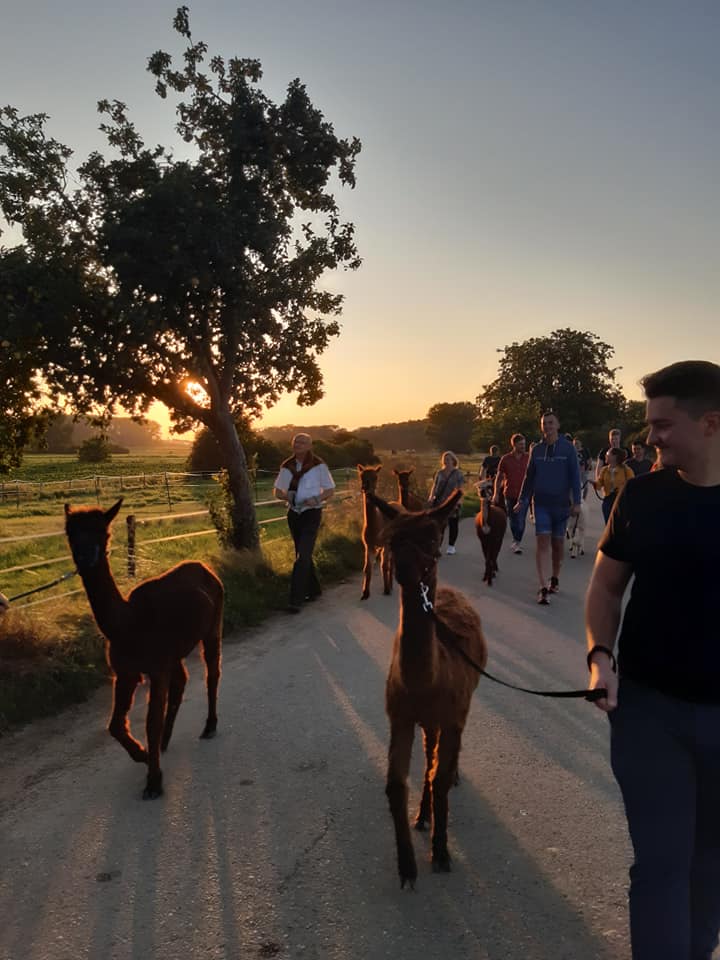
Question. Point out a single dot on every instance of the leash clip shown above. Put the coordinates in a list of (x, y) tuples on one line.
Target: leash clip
[(427, 603)]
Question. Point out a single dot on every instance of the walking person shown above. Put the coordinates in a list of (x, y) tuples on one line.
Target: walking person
[(448, 478), (614, 438), (639, 462), (585, 461), (612, 479), (508, 482), (664, 704), (552, 483), (305, 482), (489, 466)]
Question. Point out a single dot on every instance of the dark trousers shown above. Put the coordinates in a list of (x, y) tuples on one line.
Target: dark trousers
[(607, 505), (665, 755), (304, 529), (453, 527), (516, 520)]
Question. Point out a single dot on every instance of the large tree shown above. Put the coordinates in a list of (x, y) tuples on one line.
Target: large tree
[(450, 426), (193, 281), (568, 371)]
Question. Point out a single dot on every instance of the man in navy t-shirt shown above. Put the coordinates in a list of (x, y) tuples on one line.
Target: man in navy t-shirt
[(664, 531)]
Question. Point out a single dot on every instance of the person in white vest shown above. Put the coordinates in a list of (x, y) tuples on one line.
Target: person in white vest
[(306, 484)]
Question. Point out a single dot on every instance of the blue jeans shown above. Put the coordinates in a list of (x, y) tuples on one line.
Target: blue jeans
[(607, 505), (516, 520), (665, 755)]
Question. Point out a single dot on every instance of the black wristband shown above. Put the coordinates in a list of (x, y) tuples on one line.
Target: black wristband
[(601, 649)]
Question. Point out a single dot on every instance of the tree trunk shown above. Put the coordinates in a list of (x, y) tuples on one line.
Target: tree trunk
[(244, 534)]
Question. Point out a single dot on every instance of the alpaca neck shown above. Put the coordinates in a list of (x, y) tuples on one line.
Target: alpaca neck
[(370, 515), (404, 496), (109, 607), (418, 650)]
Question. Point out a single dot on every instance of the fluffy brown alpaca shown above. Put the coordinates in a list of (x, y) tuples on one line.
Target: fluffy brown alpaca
[(490, 526), (406, 497), (149, 632), (373, 525), (429, 683)]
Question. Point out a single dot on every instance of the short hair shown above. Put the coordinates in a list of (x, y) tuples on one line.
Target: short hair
[(494, 449), (615, 432), (302, 436), (619, 454), (516, 438), (639, 443), (449, 453), (693, 384), (549, 413)]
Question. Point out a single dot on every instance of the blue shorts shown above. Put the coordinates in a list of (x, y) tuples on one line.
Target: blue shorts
[(552, 520)]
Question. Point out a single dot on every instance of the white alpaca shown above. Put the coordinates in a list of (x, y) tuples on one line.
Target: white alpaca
[(576, 532)]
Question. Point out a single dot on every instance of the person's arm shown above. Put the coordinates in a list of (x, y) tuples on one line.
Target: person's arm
[(575, 490), (528, 485), (599, 464), (282, 484), (603, 608)]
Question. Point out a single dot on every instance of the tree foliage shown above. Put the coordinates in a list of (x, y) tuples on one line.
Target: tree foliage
[(450, 426), (568, 372), (196, 282)]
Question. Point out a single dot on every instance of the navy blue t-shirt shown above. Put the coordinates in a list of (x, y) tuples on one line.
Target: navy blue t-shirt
[(669, 532)]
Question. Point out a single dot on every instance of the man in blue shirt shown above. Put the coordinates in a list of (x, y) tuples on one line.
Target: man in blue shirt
[(552, 482)]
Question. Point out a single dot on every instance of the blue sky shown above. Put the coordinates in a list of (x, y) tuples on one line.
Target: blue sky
[(525, 166)]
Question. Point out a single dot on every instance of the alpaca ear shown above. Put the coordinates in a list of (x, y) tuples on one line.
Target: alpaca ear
[(411, 470), (68, 509), (383, 506), (445, 509), (378, 468), (360, 468), (113, 512), (396, 472)]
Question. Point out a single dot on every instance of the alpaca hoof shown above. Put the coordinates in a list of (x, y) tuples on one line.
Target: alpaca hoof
[(153, 788), (209, 731), (407, 868), (365, 594), (441, 863), (420, 823)]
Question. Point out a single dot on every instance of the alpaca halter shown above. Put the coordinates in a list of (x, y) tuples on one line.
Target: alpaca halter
[(427, 603)]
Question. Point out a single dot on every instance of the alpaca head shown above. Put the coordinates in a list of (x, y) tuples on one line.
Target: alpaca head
[(414, 538), (88, 533), (368, 477), (404, 478)]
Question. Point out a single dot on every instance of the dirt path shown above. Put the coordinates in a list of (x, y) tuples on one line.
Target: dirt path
[(275, 840)]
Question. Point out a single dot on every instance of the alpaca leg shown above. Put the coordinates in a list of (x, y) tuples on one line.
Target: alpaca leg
[(387, 571), (211, 655), (424, 814), (157, 709), (448, 757), (396, 790), (178, 680), (124, 686), (367, 572)]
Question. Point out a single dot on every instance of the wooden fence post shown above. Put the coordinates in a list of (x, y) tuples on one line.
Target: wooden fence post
[(131, 545), (167, 490)]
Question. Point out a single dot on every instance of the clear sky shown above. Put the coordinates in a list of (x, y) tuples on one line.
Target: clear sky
[(526, 165)]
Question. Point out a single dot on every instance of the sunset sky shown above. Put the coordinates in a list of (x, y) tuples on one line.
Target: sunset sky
[(526, 165)]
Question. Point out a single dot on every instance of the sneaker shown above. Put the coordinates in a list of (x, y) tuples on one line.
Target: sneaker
[(450, 551), (554, 585), (516, 548), (542, 596)]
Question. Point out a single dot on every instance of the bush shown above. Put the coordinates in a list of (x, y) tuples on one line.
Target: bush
[(94, 450)]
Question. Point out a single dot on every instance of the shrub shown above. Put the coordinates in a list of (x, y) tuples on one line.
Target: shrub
[(94, 450)]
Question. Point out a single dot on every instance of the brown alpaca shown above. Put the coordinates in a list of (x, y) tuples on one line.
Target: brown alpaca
[(373, 525), (406, 497), (490, 526), (149, 632), (429, 683)]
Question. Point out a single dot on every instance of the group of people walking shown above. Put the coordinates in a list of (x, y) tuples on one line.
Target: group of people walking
[(662, 689)]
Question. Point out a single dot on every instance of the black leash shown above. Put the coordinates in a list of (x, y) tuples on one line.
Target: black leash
[(46, 586), (591, 695)]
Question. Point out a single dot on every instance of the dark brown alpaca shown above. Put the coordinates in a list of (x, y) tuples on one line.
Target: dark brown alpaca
[(149, 632), (373, 525), (406, 497), (490, 526), (429, 683)]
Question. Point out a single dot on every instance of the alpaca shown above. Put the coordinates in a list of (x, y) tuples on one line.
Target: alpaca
[(429, 683), (576, 532), (373, 523), (490, 526), (149, 632), (408, 499)]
